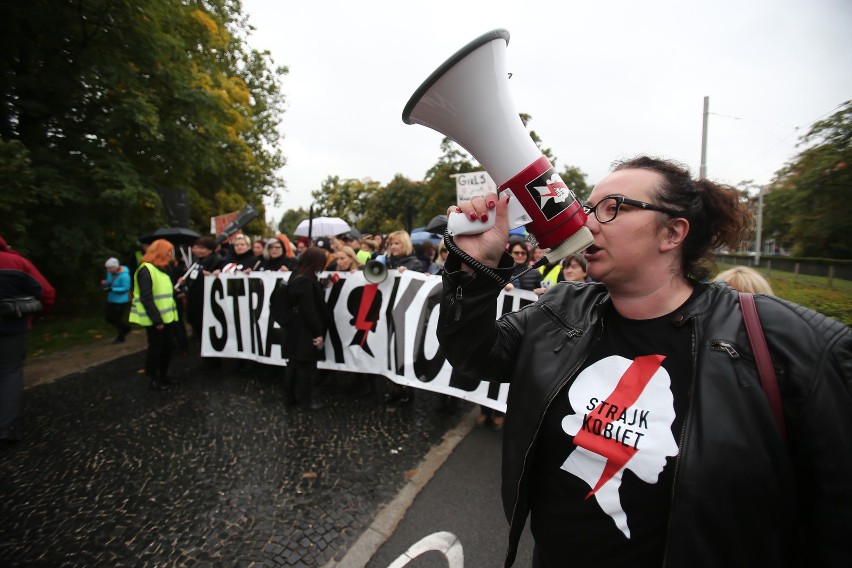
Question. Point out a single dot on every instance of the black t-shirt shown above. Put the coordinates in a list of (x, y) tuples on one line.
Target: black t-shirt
[(604, 461)]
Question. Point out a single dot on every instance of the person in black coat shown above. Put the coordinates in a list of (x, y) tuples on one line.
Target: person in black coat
[(241, 258), (400, 255), (275, 258), (205, 261), (522, 277), (306, 332)]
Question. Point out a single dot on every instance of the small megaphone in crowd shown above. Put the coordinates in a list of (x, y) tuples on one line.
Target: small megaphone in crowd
[(467, 99), (330, 280), (375, 272)]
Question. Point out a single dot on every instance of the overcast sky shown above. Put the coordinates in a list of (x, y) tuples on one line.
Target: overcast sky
[(602, 80)]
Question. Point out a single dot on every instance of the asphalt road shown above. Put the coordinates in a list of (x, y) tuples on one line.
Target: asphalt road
[(218, 472), (461, 507)]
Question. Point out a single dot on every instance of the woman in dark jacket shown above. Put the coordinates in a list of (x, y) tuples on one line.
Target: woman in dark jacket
[(306, 333), (637, 422), (400, 254), (522, 277), (241, 258), (274, 257), (206, 261)]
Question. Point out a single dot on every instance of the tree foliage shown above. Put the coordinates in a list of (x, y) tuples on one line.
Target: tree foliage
[(807, 205), (109, 105)]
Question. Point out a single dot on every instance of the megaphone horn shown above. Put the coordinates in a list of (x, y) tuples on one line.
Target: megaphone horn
[(375, 272), (467, 99)]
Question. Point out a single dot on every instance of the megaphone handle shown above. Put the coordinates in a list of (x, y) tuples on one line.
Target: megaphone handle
[(458, 224)]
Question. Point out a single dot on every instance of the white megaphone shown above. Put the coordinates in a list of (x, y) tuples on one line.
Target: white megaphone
[(467, 98), (375, 272)]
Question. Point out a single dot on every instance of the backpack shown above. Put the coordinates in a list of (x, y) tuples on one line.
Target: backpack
[(281, 308)]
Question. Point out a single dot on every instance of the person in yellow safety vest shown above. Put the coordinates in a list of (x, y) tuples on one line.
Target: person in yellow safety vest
[(155, 309), (550, 275)]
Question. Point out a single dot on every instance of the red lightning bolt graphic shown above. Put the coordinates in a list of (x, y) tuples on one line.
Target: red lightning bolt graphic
[(553, 186), (361, 322), (629, 387)]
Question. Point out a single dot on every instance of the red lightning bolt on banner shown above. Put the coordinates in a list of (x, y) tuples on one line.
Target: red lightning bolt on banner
[(361, 322), (629, 387)]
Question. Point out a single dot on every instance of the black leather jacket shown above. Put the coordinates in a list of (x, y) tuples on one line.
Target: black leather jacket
[(742, 495)]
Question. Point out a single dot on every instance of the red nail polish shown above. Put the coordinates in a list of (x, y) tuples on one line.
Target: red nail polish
[(458, 209), (484, 217), (473, 216), (491, 204)]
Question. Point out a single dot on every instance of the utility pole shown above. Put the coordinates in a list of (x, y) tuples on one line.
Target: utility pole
[(702, 172), (757, 238)]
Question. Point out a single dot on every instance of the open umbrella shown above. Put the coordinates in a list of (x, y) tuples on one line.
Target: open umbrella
[(438, 224), (322, 227), (178, 236), (419, 236)]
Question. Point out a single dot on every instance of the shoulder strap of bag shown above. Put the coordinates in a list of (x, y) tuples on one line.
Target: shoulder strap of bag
[(762, 358)]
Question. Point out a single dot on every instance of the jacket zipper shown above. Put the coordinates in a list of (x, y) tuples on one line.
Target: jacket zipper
[(570, 332), (681, 445), (457, 304)]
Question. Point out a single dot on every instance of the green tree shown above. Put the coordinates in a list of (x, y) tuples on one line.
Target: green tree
[(440, 184), (107, 106), (807, 207), (390, 206), (290, 220), (575, 179), (347, 198)]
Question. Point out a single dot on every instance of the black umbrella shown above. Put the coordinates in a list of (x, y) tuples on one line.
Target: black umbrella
[(352, 233), (178, 236), (438, 225)]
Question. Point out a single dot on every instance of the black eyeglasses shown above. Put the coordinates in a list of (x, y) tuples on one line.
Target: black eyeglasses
[(523, 252), (607, 208)]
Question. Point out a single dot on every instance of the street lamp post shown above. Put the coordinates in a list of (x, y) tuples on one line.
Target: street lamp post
[(758, 245)]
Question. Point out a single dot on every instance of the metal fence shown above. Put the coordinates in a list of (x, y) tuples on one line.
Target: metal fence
[(825, 267)]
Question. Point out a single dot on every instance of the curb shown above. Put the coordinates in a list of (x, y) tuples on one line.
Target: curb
[(389, 516), (49, 368)]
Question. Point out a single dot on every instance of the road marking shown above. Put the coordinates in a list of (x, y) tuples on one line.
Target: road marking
[(444, 542)]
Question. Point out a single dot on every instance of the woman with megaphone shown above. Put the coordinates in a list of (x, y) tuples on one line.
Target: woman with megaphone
[(638, 431)]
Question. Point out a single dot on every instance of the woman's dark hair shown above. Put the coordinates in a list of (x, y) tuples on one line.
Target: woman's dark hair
[(313, 260), (578, 258), (716, 214)]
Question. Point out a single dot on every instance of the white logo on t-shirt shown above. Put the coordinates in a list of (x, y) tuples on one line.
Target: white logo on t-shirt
[(625, 414)]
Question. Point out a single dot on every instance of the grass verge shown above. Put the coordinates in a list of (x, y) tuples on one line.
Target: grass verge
[(811, 291), (55, 333)]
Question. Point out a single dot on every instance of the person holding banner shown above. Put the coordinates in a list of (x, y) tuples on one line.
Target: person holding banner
[(205, 261), (241, 259), (306, 334), (347, 259), (400, 255), (274, 258), (638, 432)]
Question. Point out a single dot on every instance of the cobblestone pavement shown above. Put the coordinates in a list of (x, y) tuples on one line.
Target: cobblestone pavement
[(216, 472)]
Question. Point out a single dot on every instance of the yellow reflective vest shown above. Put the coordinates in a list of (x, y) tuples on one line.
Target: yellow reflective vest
[(364, 256), (551, 278), (164, 297)]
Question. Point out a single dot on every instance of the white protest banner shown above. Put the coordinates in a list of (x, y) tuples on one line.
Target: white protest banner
[(473, 184), (384, 329)]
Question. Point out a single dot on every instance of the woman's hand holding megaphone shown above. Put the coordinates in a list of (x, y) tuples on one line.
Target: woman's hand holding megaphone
[(489, 245)]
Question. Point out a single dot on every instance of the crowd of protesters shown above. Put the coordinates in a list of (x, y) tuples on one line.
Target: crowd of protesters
[(165, 297)]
